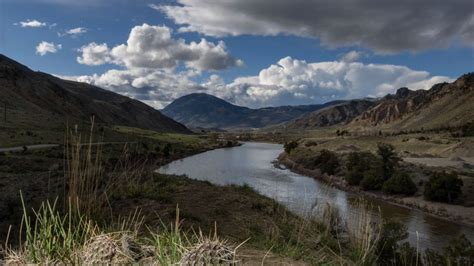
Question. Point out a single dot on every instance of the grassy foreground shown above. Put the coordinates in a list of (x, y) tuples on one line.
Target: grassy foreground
[(114, 209)]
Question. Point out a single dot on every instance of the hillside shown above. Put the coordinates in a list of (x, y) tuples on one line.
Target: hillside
[(445, 104), (200, 110), (332, 115), (39, 100)]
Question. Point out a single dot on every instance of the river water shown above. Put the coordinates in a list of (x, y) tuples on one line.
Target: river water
[(251, 164)]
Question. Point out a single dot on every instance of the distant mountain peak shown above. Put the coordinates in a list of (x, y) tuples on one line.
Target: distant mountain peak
[(200, 110), (402, 92)]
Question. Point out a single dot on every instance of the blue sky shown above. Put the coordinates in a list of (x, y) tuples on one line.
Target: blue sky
[(283, 57)]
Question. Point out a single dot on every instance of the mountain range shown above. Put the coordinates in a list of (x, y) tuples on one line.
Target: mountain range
[(36, 99), (200, 110), (445, 104)]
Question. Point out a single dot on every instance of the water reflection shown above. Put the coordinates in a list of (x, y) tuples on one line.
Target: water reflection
[(252, 164)]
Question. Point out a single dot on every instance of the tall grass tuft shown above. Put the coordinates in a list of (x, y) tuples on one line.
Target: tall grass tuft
[(170, 243), (364, 232), (84, 173), (51, 237)]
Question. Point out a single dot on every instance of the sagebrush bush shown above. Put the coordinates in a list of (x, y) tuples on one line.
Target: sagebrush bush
[(373, 179), (358, 163), (327, 162), (443, 187), (289, 146), (399, 183)]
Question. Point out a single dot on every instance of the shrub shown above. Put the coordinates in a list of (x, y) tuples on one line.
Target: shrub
[(289, 146), (389, 159), (399, 183), (357, 163), (388, 244), (372, 180), (353, 178), (459, 251), (327, 162), (443, 187)]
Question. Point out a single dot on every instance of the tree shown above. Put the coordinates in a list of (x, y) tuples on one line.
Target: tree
[(399, 183), (389, 159), (443, 187)]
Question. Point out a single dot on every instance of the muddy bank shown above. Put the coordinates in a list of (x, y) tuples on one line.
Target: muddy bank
[(453, 213)]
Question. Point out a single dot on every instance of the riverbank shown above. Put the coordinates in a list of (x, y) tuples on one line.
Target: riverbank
[(238, 213), (41, 173), (453, 213)]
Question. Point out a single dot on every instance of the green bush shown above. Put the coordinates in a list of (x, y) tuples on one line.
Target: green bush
[(392, 233), (399, 183), (372, 180), (327, 162), (289, 146), (358, 163), (443, 187), (353, 178), (459, 251)]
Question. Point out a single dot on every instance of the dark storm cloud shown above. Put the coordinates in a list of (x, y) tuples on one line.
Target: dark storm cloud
[(384, 26)]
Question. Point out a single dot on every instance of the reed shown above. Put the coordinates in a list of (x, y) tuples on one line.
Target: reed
[(84, 173), (365, 231)]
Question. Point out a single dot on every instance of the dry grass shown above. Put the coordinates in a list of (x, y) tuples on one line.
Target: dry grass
[(85, 173), (364, 232)]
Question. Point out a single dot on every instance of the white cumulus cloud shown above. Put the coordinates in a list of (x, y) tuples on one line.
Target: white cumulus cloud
[(75, 31), (352, 56), (94, 54), (154, 47), (31, 23), (156, 88), (288, 82), (293, 81), (47, 47)]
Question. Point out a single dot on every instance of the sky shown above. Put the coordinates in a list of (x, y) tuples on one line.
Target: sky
[(253, 53)]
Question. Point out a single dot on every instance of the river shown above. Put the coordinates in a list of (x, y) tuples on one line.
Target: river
[(251, 164)]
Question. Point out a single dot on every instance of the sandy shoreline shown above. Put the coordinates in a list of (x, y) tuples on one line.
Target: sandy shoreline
[(453, 213)]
